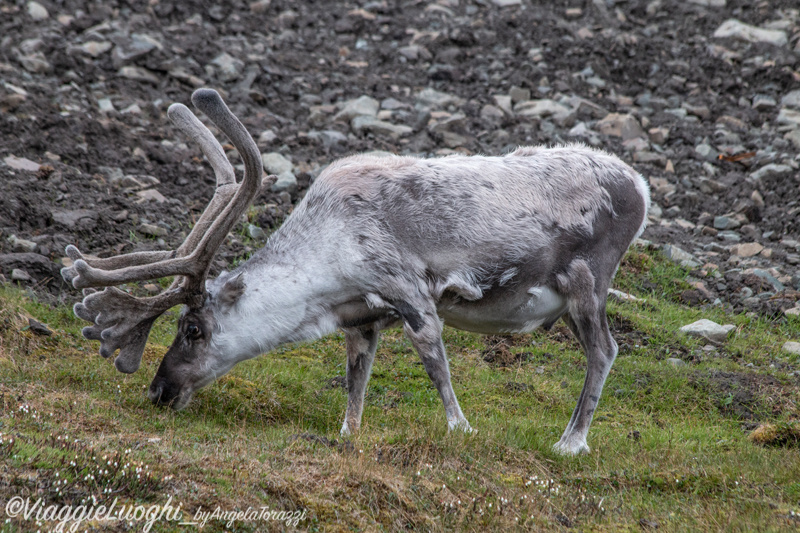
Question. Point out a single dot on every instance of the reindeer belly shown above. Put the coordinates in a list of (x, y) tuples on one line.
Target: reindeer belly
[(503, 311)]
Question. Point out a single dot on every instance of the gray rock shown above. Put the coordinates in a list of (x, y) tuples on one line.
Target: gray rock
[(519, 94), (139, 74), (95, 48), (35, 63), (680, 256), (763, 102), (152, 230), (728, 235), (77, 219), (709, 3), (581, 130), (21, 245), (662, 186), (621, 125), (622, 296), (361, 106), (276, 163), (705, 151), (492, 114), (658, 135), (132, 109), (789, 117), (267, 136), (791, 99), (794, 138), (260, 6), (38, 328), (19, 274), (329, 138), (21, 163), (745, 32), (431, 98), (393, 104), (452, 139), (644, 156), (105, 105), (792, 347), (367, 124), (413, 52), (150, 195), (138, 45), (771, 170), (725, 222), (746, 249), (454, 122), (256, 233), (674, 361), (544, 108), (152, 288), (769, 278), (183, 75), (37, 266), (655, 213), (132, 181), (699, 111), (227, 67), (678, 112), (287, 182), (708, 329), (587, 108), (507, 3), (709, 186), (37, 11), (503, 102)]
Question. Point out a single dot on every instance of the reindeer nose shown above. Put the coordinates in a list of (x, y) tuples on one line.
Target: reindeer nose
[(161, 391)]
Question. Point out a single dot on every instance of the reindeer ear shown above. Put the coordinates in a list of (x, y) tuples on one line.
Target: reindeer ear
[(230, 289)]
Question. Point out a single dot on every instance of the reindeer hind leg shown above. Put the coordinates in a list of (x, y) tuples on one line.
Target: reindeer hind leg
[(587, 319)]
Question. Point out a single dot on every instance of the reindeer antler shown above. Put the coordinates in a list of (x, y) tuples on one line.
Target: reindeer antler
[(121, 321)]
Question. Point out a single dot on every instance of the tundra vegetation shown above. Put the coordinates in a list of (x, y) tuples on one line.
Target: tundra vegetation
[(710, 443), (701, 97)]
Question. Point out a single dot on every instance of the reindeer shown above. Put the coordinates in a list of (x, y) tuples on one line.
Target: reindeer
[(486, 244)]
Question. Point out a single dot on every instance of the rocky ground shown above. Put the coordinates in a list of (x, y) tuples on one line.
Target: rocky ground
[(701, 96)]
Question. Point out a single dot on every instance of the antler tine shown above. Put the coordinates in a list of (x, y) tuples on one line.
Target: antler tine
[(184, 119), (111, 263), (187, 122), (209, 102)]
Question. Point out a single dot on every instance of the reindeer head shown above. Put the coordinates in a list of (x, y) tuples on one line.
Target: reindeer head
[(122, 322)]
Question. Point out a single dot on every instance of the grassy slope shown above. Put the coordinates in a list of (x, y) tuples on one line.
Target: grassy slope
[(668, 444)]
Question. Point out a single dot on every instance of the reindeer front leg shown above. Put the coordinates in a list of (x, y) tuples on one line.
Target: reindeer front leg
[(422, 325), (361, 345)]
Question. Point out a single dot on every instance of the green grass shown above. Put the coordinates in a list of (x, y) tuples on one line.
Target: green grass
[(670, 444)]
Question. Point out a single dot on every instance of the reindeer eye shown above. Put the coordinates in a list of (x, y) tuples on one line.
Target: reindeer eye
[(193, 331)]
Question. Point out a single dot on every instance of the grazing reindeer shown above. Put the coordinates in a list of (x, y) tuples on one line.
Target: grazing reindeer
[(488, 244)]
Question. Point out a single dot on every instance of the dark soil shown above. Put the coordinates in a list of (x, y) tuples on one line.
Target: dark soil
[(299, 55), (746, 396)]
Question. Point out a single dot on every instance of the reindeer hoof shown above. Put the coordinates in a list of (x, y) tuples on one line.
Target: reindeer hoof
[(461, 425), (570, 447), (346, 431)]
